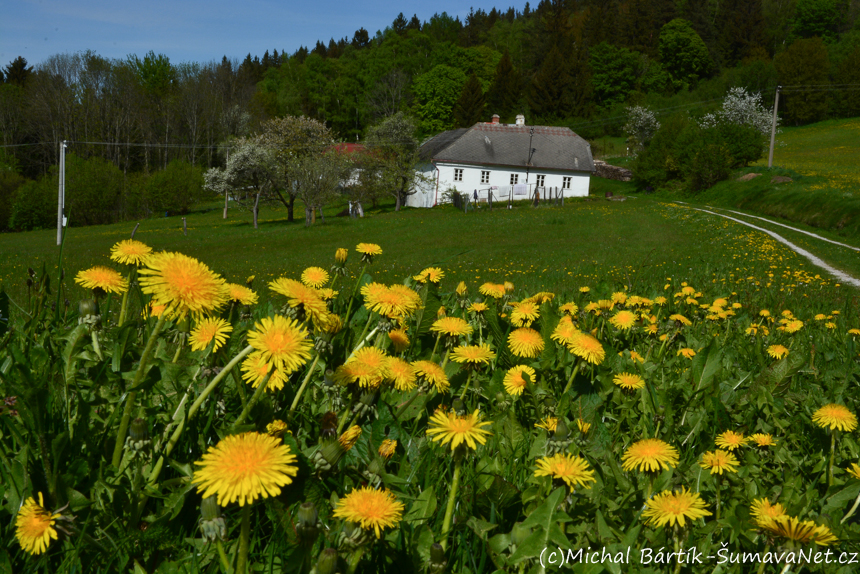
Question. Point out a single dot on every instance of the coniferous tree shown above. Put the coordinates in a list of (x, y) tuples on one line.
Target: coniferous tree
[(741, 30), (469, 108), (17, 72), (320, 49), (361, 39), (803, 63), (414, 23), (399, 24), (506, 90)]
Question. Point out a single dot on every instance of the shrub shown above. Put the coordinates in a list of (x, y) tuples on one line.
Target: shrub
[(35, 205), (174, 189)]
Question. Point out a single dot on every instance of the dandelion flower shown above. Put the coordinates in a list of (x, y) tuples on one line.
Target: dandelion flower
[(524, 314), (573, 470), (687, 353), (315, 277), (254, 370), (565, 331), (277, 429), (762, 439), (549, 424), (34, 526), (449, 428), (241, 294), (793, 326), (245, 467), (392, 302), (370, 508), (525, 342), (349, 437), (473, 355), (479, 307), (452, 326), (431, 274), (854, 470), (368, 251), (399, 339), (719, 461), (762, 510), (777, 351), (801, 531), (582, 426), (461, 288), (130, 252), (103, 278), (588, 348), (492, 290), (671, 508), (730, 440), (623, 320), (629, 381), (835, 417), (680, 319), (401, 373), (367, 367), (300, 296), (209, 330), (281, 341), (515, 379), (509, 287), (433, 374), (584, 289), (182, 284), (387, 448), (569, 308), (650, 454)]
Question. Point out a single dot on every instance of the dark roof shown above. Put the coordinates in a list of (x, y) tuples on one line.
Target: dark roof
[(508, 145), (438, 143)]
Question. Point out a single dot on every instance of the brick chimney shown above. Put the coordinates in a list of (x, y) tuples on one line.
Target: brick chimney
[(521, 120), (495, 119)]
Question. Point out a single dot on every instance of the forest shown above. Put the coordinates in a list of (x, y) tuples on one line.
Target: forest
[(564, 62)]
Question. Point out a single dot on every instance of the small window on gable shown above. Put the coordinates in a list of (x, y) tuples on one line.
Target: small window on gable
[(458, 174)]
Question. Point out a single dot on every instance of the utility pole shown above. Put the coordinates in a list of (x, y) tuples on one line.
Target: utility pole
[(61, 199), (773, 128)]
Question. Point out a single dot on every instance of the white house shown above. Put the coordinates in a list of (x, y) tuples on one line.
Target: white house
[(509, 161)]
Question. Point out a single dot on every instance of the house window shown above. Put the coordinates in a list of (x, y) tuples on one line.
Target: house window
[(515, 178), (485, 177), (565, 183), (458, 174), (541, 180)]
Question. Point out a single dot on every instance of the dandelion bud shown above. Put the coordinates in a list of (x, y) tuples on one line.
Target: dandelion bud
[(184, 325), (138, 437), (461, 289), (31, 273), (458, 406), (340, 255), (437, 559), (441, 313), (88, 307), (328, 456), (308, 526), (352, 536), (327, 563), (212, 524), (387, 448), (561, 431)]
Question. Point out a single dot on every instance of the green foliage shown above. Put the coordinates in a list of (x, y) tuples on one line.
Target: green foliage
[(436, 92), (683, 53), (10, 181), (35, 204), (506, 90), (469, 107), (175, 188), (562, 86), (817, 18), (804, 63), (615, 71)]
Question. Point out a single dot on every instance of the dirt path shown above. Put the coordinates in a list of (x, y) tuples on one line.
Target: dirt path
[(840, 275)]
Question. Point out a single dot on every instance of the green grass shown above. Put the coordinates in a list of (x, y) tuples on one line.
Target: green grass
[(603, 244)]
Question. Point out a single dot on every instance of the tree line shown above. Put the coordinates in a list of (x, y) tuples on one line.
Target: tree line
[(577, 63)]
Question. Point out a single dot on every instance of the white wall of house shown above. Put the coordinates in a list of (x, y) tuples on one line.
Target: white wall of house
[(498, 181)]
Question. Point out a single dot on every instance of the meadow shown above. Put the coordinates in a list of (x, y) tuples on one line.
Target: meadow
[(427, 391)]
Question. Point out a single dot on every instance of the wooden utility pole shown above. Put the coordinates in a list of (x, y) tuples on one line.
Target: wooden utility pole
[(773, 128), (61, 198)]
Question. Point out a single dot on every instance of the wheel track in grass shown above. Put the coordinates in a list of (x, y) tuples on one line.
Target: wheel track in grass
[(818, 262)]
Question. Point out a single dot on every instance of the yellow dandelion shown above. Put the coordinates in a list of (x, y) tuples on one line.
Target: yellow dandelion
[(569, 308), (835, 417), (401, 374), (451, 326), (588, 348), (730, 440), (583, 426), (524, 313), (674, 508), (634, 356), (130, 252), (762, 510), (650, 454), (327, 293), (370, 508), (686, 353), (680, 319), (854, 331), (433, 374), (764, 313), (573, 470), (244, 467), (430, 275), (340, 255), (793, 326), (241, 294), (349, 437), (762, 439), (719, 461), (368, 251), (801, 531), (525, 342), (777, 351), (34, 526), (623, 320), (393, 302), (387, 448), (315, 277), (584, 289), (454, 430), (473, 355), (854, 470), (277, 429), (282, 342), (367, 367), (399, 339), (479, 307), (461, 288), (103, 278), (565, 331), (182, 284), (549, 424), (300, 296), (509, 287), (517, 378), (207, 331), (492, 290), (254, 370), (629, 381)]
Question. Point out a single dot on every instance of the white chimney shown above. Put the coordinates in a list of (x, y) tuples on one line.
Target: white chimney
[(521, 120), (495, 119)]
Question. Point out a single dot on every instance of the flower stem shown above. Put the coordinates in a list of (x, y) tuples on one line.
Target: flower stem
[(719, 484), (435, 346), (354, 560), (466, 386), (302, 388), (851, 512), (225, 562), (832, 456), (256, 397), (677, 546), (352, 297), (245, 534), (452, 498), (124, 305), (572, 376), (132, 394), (761, 566)]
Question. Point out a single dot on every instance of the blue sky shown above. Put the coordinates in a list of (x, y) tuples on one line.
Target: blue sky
[(193, 30)]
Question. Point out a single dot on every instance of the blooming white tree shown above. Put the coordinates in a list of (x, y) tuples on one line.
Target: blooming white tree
[(641, 126), (741, 108)]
